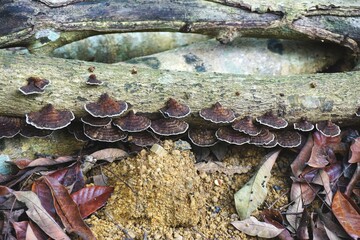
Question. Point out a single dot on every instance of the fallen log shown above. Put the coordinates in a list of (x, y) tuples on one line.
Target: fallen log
[(318, 96), (44, 25)]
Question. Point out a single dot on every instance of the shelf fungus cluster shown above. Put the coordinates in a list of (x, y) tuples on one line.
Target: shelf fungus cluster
[(111, 120)]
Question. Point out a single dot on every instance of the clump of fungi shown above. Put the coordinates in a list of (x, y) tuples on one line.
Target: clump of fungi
[(109, 120)]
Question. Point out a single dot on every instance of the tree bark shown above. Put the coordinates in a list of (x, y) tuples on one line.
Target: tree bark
[(318, 96), (42, 28)]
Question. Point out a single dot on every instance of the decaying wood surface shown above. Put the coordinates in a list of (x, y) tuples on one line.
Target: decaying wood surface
[(42, 28), (318, 96)]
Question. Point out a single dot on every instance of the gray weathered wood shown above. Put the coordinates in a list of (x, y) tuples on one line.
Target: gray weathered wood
[(318, 96), (28, 22)]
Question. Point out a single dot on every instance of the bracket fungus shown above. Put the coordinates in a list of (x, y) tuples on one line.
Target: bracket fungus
[(77, 129), (143, 139), (35, 85), (265, 137), (175, 109), (106, 107), (328, 128), (29, 131), (95, 122), (92, 80), (9, 126), (229, 135), (168, 127), (108, 133), (289, 139), (202, 137), (270, 120), (304, 125), (217, 114), (246, 125), (49, 118), (132, 122)]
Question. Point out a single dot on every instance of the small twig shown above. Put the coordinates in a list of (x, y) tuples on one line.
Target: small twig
[(122, 180), (124, 230)]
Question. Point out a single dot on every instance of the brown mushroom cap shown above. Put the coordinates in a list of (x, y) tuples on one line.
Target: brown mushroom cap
[(168, 127), (328, 128), (271, 144), (132, 122), (95, 122), (30, 131), (77, 129), (106, 107), (232, 136), (270, 120), (304, 125), (108, 133), (217, 114), (288, 139), (9, 126), (202, 137), (175, 109), (143, 139), (265, 137), (35, 85), (355, 151), (246, 125), (49, 118), (92, 80)]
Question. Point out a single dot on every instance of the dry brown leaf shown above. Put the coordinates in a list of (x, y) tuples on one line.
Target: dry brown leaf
[(39, 215), (91, 198), (67, 209), (299, 163), (293, 213), (25, 163), (71, 177), (347, 213), (20, 229), (109, 154), (221, 167), (253, 227)]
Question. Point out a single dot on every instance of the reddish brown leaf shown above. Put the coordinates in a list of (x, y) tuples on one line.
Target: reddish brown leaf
[(300, 161), (275, 218), (70, 177), (318, 229), (354, 181), (355, 151), (20, 229), (67, 210), (334, 171), (24, 163), (347, 213), (318, 158), (35, 233), (39, 215), (91, 198), (41, 189), (303, 230), (331, 227), (308, 192)]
